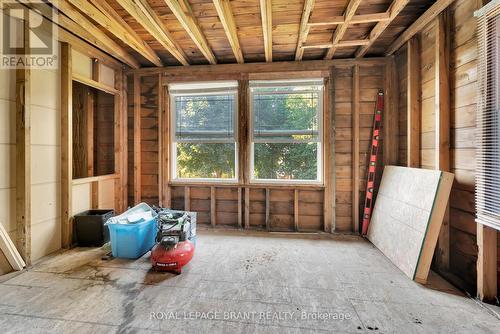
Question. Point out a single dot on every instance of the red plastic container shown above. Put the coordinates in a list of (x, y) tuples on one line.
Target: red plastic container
[(174, 259)]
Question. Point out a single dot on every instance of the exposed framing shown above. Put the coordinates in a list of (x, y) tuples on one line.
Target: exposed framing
[(23, 154)]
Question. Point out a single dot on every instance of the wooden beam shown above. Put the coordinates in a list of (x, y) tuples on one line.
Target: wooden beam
[(268, 209), (486, 263), (213, 207), (267, 27), (108, 10), (329, 154), (146, 17), (351, 43), (66, 144), (419, 24), (226, 17), (137, 140), (84, 29), (124, 137), (391, 119), (341, 29), (161, 142), (296, 210), (442, 121), (95, 84), (304, 28), (355, 148), (243, 145), (243, 71), (356, 19), (108, 44), (23, 152), (105, 16), (165, 145), (413, 103), (184, 14), (394, 10), (119, 109)]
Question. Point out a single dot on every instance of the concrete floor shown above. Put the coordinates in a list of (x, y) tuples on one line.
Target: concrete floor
[(238, 284)]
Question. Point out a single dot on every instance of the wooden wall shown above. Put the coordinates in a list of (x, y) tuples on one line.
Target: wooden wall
[(463, 78), (273, 207), (402, 75)]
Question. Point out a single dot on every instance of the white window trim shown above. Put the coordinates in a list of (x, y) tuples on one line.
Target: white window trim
[(252, 141), (205, 89)]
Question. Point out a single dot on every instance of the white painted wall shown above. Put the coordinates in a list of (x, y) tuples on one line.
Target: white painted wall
[(7, 157), (45, 162)]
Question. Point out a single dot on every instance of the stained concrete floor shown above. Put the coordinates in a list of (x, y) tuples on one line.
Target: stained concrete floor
[(238, 284)]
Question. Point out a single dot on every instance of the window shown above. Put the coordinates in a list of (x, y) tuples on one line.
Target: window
[(93, 131), (204, 131), (286, 130), (488, 117)]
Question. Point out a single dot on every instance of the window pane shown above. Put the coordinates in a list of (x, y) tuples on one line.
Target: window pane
[(287, 161), (204, 117), (213, 160), (286, 116)]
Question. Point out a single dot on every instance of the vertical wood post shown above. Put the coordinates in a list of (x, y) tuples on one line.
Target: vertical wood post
[(23, 154), (240, 208), (119, 110), (124, 141), (247, 207), (268, 209), (213, 207), (66, 144), (243, 148), (187, 198), (391, 118), (355, 148), (137, 139), (442, 120), (329, 154), (166, 198), (296, 210), (413, 103), (486, 263)]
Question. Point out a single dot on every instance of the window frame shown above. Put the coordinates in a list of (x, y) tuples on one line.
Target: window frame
[(320, 142), (203, 91)]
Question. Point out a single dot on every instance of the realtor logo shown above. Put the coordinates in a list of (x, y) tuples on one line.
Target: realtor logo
[(28, 35)]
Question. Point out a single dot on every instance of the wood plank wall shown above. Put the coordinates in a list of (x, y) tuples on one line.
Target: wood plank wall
[(463, 78), (402, 70), (427, 40), (149, 157), (272, 207)]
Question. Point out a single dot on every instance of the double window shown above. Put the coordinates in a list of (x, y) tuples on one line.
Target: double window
[(284, 131)]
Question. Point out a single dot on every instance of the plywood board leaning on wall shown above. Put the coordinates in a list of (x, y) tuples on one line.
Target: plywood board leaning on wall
[(407, 217)]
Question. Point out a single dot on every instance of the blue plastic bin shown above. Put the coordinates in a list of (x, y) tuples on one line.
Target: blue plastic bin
[(131, 241)]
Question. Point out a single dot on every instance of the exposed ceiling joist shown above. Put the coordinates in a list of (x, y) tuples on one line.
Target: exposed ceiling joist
[(267, 27), (395, 8), (146, 17), (79, 25), (108, 22), (419, 24), (356, 19), (304, 28), (183, 12), (340, 31), (226, 17)]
